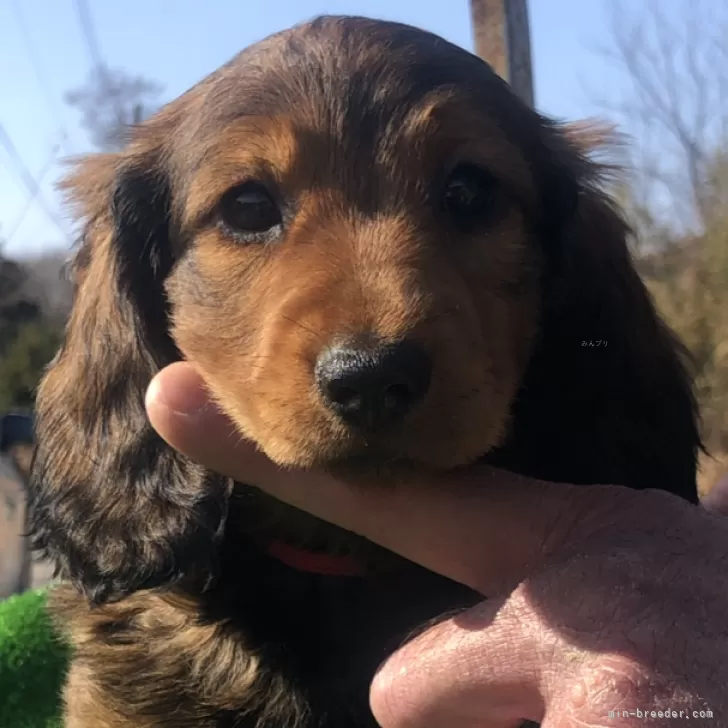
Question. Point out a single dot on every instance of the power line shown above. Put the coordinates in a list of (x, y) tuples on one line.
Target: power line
[(89, 34), (27, 178), (32, 198), (88, 31), (40, 76)]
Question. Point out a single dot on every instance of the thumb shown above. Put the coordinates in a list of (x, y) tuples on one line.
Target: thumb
[(479, 669)]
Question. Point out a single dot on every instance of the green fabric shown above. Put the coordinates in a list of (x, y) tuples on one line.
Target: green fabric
[(33, 662)]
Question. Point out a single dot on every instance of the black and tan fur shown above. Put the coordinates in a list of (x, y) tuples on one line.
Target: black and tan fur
[(177, 617)]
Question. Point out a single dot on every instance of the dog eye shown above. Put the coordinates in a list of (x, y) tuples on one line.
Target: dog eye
[(249, 209), (470, 195)]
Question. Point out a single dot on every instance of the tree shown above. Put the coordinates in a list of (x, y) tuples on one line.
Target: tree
[(48, 284), (110, 102), (28, 336), (674, 60), (16, 308), (690, 286), (23, 362)]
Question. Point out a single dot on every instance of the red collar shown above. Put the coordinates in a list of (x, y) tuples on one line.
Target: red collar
[(315, 563)]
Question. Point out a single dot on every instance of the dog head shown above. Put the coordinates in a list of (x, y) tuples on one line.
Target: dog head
[(367, 245)]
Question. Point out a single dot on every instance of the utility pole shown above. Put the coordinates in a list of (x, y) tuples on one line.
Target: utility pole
[(503, 39)]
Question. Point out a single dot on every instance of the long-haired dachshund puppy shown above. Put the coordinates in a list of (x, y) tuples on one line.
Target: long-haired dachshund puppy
[(380, 260)]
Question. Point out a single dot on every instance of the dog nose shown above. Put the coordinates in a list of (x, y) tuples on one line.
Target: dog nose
[(372, 387)]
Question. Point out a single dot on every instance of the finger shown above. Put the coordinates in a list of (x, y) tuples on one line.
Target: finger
[(483, 528), (716, 500), (481, 668)]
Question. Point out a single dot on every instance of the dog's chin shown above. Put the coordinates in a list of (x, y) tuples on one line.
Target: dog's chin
[(379, 465), (372, 469)]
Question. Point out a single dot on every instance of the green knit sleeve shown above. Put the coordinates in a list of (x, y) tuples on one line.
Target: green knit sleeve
[(33, 662)]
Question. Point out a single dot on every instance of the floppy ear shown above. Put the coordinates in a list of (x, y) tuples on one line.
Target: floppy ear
[(608, 397), (112, 504)]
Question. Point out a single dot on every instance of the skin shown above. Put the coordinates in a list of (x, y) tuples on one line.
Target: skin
[(595, 605)]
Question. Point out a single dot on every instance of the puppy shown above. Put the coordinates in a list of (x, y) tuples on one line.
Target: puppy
[(381, 261)]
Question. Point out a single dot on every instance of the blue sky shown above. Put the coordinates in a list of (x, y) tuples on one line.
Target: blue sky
[(177, 42)]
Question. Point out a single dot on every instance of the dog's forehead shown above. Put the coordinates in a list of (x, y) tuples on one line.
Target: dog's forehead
[(344, 69)]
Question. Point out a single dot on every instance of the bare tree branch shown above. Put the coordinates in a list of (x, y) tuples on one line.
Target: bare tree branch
[(111, 102), (674, 59)]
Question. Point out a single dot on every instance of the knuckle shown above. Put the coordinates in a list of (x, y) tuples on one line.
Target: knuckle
[(617, 690)]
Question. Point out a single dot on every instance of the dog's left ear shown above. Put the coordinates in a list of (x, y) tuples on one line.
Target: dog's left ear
[(112, 504), (608, 394)]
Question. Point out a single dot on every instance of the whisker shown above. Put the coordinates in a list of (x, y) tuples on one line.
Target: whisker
[(300, 325)]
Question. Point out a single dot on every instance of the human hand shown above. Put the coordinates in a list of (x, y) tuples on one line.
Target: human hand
[(604, 601)]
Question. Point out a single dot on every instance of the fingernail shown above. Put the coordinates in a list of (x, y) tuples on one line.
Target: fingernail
[(181, 392)]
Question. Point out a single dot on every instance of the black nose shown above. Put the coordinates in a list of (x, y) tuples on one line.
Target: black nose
[(372, 387)]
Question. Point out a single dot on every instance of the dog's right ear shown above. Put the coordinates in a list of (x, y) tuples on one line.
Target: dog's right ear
[(114, 506)]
